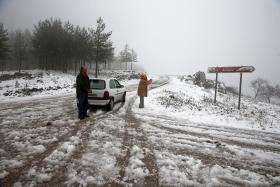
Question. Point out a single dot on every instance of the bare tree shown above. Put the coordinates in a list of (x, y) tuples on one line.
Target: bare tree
[(258, 85), (277, 90), (268, 92)]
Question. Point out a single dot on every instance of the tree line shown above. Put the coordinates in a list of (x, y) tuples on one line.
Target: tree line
[(57, 45)]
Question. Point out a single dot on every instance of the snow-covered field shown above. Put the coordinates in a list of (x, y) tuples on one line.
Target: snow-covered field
[(35, 84), (180, 138), (185, 101)]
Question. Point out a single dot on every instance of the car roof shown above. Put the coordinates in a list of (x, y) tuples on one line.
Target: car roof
[(105, 79)]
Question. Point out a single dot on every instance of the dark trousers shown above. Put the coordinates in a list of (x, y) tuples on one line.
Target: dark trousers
[(141, 105), (82, 105)]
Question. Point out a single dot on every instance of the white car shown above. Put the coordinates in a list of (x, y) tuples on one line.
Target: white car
[(105, 92)]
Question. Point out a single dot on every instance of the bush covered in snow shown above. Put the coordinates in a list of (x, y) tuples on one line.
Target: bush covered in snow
[(120, 75), (180, 101), (199, 79)]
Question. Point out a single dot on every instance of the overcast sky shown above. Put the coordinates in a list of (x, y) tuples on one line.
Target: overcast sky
[(173, 36)]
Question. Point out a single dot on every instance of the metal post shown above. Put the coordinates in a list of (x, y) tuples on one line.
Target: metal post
[(215, 98), (240, 85)]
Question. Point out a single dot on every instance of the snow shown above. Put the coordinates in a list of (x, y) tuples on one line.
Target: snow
[(194, 142), (99, 162), (185, 101), (136, 168), (11, 163), (64, 151), (3, 174), (187, 131), (172, 172), (27, 148), (46, 83)]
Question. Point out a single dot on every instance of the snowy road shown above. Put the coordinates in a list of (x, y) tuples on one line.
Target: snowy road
[(43, 144)]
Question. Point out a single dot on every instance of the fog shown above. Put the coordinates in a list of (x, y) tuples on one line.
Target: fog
[(174, 36)]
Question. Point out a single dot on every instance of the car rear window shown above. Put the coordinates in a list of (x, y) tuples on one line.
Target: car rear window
[(97, 84)]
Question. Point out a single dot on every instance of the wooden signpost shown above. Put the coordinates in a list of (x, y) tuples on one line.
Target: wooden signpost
[(231, 69)]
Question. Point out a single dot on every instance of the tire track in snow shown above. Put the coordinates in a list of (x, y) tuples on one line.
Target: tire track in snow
[(259, 134), (175, 128), (33, 126), (139, 138), (38, 160), (55, 107), (129, 140), (59, 175), (219, 156), (18, 173), (226, 161)]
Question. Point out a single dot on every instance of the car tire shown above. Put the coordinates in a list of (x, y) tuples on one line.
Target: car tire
[(110, 105), (124, 96)]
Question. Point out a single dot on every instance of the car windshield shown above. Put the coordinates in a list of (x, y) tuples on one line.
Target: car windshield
[(97, 84)]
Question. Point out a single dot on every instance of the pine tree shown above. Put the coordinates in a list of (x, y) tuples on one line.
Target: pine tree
[(101, 44), (82, 46), (133, 57), (4, 49), (19, 49), (125, 55)]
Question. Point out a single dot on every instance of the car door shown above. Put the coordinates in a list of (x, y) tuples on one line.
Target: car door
[(113, 89), (120, 89)]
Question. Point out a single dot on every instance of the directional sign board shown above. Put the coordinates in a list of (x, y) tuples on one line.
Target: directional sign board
[(232, 69)]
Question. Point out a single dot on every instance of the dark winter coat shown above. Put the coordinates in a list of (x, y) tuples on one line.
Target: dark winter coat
[(143, 86), (82, 85)]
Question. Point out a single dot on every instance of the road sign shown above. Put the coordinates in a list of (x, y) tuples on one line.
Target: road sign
[(231, 69)]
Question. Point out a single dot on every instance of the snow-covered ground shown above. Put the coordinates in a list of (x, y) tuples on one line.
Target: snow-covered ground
[(31, 84), (198, 143), (187, 102), (36, 84), (180, 138)]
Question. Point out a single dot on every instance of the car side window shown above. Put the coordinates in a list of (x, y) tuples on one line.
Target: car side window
[(117, 84), (112, 84)]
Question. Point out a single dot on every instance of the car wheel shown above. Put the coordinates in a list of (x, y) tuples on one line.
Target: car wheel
[(124, 95), (110, 105)]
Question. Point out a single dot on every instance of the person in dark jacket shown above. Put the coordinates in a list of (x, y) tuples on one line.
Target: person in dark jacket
[(82, 89)]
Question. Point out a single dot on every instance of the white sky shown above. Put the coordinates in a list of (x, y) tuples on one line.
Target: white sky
[(174, 36)]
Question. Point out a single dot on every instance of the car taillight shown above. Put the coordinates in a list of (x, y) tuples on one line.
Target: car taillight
[(106, 94)]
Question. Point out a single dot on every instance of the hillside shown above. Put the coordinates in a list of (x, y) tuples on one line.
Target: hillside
[(185, 101)]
